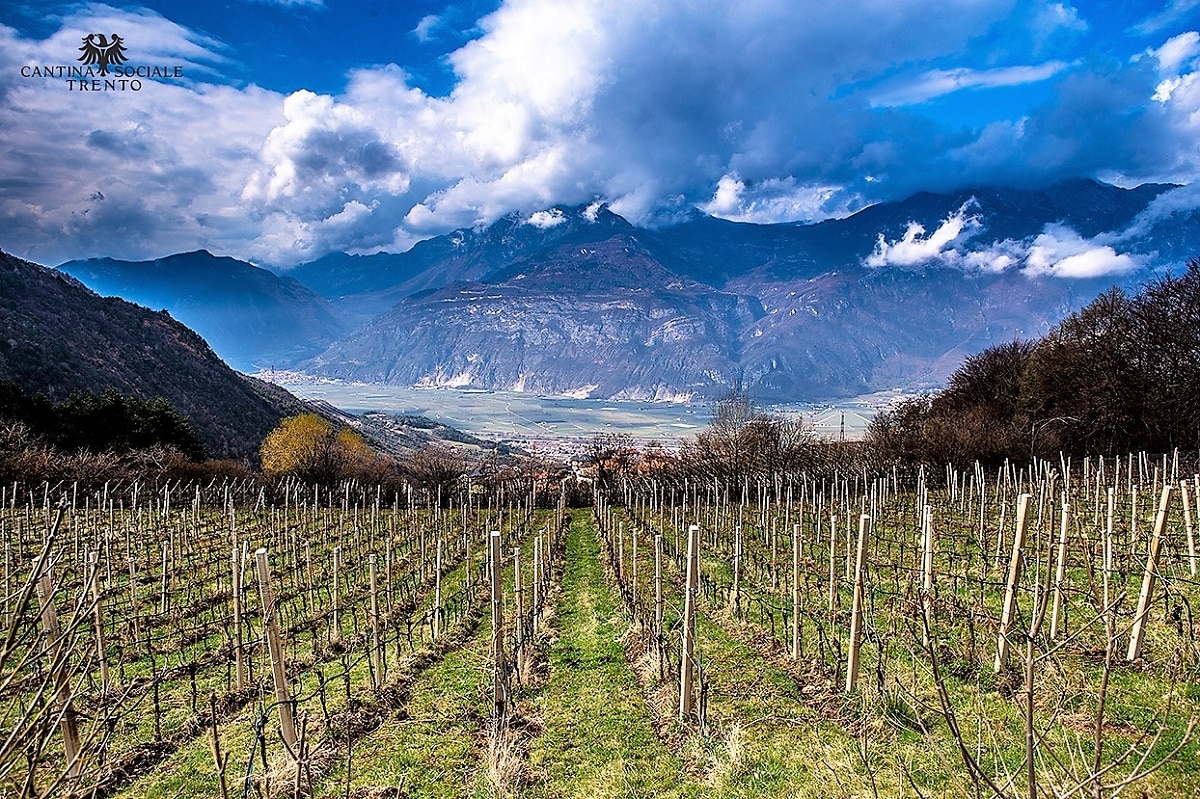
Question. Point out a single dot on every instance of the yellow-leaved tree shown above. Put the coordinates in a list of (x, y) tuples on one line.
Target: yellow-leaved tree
[(309, 447)]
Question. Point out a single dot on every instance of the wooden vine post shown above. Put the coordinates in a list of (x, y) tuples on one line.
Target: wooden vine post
[(437, 591), (1143, 606), (283, 698), (1010, 588), (133, 600), (519, 594), (796, 591), (658, 584), (686, 673), (737, 568), (833, 584), (1060, 570), (856, 616), (376, 641), (98, 621), (239, 662), (633, 582), (1189, 526), (499, 690), (60, 663), (537, 581), (927, 550), (337, 600)]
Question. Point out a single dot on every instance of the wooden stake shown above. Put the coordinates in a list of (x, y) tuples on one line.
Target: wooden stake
[(133, 600), (519, 593), (856, 617), (927, 550), (283, 698), (499, 685), (833, 586), (1060, 570), (658, 584), (686, 674), (1010, 588), (796, 592), (60, 662), (437, 592), (239, 663), (737, 567), (98, 621), (337, 599), (537, 580), (376, 640), (1187, 522), (1143, 608)]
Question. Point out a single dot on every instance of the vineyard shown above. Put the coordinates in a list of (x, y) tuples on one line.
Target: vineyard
[(1013, 632)]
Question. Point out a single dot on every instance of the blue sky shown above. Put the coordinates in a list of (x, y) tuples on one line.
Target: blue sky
[(300, 128)]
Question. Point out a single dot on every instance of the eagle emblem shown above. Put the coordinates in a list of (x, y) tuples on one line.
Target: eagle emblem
[(97, 49)]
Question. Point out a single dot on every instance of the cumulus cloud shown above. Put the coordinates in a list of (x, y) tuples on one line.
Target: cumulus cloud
[(774, 200), (772, 111), (1061, 252), (128, 174), (1057, 251), (546, 219), (426, 27), (915, 247), (1177, 51)]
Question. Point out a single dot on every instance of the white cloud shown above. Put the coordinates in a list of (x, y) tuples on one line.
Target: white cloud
[(128, 174), (1175, 10), (1057, 251), (546, 219), (1177, 52), (1061, 252), (774, 200), (916, 248), (939, 82), (1052, 19), (760, 112), (426, 27)]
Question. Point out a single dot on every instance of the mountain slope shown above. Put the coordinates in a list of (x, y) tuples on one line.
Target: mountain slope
[(716, 251), (57, 336), (251, 317), (579, 301), (368, 285), (601, 319)]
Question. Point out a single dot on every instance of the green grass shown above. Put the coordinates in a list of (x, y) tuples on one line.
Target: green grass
[(597, 738)]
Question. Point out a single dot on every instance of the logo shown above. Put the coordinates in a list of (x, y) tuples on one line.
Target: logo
[(97, 50), (104, 67)]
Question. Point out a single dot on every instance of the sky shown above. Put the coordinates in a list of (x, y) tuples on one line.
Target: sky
[(280, 130)]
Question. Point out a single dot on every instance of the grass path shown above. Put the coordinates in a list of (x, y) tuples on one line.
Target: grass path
[(597, 740)]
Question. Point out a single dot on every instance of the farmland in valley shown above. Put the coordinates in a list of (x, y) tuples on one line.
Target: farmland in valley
[(530, 419)]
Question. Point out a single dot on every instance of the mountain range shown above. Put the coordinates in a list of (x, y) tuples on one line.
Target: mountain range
[(251, 316), (579, 301), (58, 337)]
